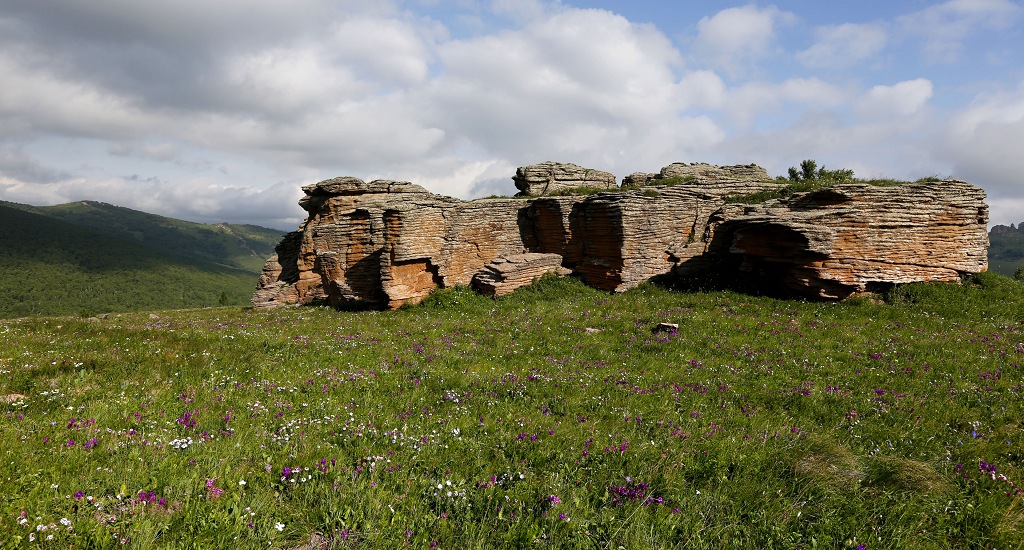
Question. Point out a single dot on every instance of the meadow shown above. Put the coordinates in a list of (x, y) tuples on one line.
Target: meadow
[(557, 416)]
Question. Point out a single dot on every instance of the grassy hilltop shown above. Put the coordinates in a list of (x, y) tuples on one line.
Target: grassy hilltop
[(90, 257), (553, 417)]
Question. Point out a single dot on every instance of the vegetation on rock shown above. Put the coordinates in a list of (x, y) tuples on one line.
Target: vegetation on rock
[(810, 177)]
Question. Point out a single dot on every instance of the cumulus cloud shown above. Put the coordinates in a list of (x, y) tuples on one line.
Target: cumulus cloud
[(734, 37), (839, 46), (568, 85), (205, 110), (899, 100), (748, 103), (983, 142)]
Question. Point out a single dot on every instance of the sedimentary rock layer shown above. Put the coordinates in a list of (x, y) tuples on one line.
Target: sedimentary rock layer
[(554, 177), (387, 243), (850, 239), (508, 273)]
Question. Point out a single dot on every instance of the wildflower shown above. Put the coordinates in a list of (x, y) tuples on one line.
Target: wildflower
[(279, 526), (241, 482), (213, 489)]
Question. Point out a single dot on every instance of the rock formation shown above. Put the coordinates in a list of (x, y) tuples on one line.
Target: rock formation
[(854, 238), (387, 243), (556, 177), (697, 173)]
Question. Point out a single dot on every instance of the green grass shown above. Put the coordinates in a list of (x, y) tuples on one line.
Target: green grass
[(554, 417), (804, 186)]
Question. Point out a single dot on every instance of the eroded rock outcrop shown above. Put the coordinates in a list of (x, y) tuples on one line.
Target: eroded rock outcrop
[(555, 177), (387, 243), (697, 173), (854, 238)]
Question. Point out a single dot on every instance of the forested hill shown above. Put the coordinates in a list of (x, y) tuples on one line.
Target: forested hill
[(66, 259), (242, 246), (1006, 249)]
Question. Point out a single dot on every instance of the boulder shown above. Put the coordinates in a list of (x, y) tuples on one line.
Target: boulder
[(556, 177), (639, 179), (508, 273), (700, 172)]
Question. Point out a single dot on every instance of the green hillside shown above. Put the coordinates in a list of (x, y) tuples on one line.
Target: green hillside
[(52, 267), (1006, 249), (241, 246)]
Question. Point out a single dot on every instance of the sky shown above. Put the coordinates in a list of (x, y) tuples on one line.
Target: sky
[(221, 111)]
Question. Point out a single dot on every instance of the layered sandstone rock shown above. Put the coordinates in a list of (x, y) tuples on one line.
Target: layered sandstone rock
[(631, 237), (697, 173), (555, 177), (700, 172), (387, 243), (508, 273), (849, 239)]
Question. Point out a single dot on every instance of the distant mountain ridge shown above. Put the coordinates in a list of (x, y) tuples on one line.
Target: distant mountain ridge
[(1006, 248), (90, 257), (241, 246)]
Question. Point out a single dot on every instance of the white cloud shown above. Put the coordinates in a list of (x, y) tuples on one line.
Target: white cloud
[(750, 101), (388, 51), (899, 100), (578, 83), (983, 141), (944, 27), (839, 46), (523, 11), (43, 100), (199, 109), (734, 37), (1004, 211), (702, 89)]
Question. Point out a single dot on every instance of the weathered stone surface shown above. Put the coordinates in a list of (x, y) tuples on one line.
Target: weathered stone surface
[(387, 243), (508, 273), (638, 179), (630, 237), (700, 172), (552, 177), (849, 239)]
